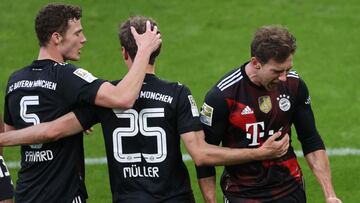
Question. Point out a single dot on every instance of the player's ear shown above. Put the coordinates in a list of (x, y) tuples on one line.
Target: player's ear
[(56, 38), (255, 62), (124, 53)]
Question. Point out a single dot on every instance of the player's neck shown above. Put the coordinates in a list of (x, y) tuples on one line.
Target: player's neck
[(150, 69), (50, 53), (250, 71)]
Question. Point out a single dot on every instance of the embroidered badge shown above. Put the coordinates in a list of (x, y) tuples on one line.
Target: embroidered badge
[(85, 75), (284, 102), (194, 109), (265, 104), (206, 114)]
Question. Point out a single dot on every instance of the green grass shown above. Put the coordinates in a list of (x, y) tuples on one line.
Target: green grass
[(204, 39)]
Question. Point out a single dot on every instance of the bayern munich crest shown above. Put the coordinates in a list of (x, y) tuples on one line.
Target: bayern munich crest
[(284, 102)]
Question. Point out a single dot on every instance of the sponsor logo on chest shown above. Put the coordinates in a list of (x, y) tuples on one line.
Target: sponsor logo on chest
[(255, 131)]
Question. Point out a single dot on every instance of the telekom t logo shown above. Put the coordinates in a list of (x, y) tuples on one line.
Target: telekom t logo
[(257, 129)]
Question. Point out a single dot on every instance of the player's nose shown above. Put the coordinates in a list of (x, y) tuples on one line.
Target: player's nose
[(282, 76)]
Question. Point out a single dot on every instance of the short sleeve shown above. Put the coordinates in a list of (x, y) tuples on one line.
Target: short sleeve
[(78, 85), (87, 115), (214, 116), (187, 112)]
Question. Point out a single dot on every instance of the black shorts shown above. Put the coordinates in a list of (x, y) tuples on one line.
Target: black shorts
[(298, 196), (6, 187)]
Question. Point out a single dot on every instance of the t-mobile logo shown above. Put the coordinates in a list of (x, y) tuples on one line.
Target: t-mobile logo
[(256, 132)]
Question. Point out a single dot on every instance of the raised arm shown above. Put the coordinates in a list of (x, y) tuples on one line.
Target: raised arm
[(43, 132), (124, 94), (319, 164)]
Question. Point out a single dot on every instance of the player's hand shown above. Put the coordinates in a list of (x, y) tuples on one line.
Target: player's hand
[(89, 131), (149, 40), (275, 146), (333, 200)]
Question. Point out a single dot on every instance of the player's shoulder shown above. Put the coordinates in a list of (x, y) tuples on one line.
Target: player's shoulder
[(73, 72), (66, 66), (20, 72), (171, 85), (293, 78), (293, 75), (294, 82), (231, 78)]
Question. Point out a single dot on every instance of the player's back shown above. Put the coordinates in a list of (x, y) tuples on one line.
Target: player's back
[(50, 172), (143, 144)]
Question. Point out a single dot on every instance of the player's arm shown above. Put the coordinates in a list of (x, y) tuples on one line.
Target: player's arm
[(43, 132), (207, 154), (319, 164), (208, 188), (124, 94), (312, 144)]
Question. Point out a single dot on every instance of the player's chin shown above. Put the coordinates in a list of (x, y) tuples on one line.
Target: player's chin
[(75, 57)]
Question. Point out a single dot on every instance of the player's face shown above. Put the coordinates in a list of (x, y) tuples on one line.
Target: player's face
[(73, 41), (271, 73)]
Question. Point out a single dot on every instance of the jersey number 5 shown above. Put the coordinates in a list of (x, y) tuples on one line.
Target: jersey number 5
[(139, 121), (31, 117)]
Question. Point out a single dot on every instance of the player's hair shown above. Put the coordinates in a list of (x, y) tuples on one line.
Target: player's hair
[(273, 42), (54, 18), (127, 39)]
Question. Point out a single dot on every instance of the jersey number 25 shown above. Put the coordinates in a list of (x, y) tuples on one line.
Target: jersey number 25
[(139, 121)]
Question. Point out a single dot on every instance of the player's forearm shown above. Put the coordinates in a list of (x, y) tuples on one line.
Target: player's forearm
[(319, 164), (124, 94), (21, 137), (204, 154), (44, 132), (207, 187), (129, 87), (215, 155)]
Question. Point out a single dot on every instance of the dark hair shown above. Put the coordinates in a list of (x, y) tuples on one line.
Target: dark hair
[(54, 18), (273, 42), (127, 39)]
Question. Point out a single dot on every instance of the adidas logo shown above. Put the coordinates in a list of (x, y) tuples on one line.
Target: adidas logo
[(247, 110)]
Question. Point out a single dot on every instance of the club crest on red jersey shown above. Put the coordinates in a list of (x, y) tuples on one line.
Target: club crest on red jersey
[(265, 104), (284, 102)]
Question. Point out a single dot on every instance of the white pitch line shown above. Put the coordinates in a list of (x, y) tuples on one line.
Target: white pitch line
[(186, 157)]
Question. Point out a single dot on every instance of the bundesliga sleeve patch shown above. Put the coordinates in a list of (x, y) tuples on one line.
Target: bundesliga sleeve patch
[(194, 109), (206, 114), (85, 75)]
